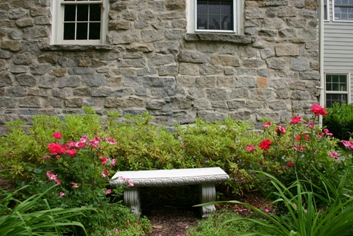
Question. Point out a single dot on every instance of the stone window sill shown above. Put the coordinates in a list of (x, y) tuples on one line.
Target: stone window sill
[(67, 47), (230, 38)]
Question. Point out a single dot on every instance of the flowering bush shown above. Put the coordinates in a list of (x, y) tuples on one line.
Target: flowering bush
[(297, 149)]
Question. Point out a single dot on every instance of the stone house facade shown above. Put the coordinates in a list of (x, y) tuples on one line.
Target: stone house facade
[(152, 58)]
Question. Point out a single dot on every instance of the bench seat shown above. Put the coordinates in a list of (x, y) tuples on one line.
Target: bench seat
[(206, 178)]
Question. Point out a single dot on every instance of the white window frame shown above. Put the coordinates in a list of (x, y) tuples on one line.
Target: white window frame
[(333, 14), (191, 12), (348, 91), (57, 12)]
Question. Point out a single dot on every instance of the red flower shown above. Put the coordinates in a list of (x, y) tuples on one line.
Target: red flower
[(295, 120), (290, 164), (57, 135), (104, 160), (71, 152), (302, 137), (265, 144), (55, 148), (318, 110)]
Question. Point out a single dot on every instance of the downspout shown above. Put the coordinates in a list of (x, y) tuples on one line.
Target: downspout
[(321, 59)]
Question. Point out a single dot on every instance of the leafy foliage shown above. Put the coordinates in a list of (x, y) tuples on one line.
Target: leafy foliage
[(340, 120)]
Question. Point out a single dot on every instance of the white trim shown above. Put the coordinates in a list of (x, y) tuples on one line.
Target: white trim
[(191, 13), (57, 12), (333, 14), (348, 91)]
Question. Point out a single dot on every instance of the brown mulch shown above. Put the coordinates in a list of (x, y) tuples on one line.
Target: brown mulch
[(174, 220)]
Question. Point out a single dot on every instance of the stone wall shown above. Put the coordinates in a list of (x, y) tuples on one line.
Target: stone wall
[(151, 64)]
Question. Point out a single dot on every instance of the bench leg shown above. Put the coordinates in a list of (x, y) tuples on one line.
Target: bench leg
[(132, 199), (208, 194)]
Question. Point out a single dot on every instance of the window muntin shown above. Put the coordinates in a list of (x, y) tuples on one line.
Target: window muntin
[(337, 87), (343, 10), (215, 16), (79, 21)]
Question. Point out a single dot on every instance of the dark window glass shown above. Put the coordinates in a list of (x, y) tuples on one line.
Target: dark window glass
[(82, 31), (69, 31), (70, 12), (336, 82), (94, 30), (95, 12), (215, 15), (333, 98), (82, 12)]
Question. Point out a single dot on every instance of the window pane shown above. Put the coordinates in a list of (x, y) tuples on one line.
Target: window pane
[(69, 31), (82, 12), (332, 98), (94, 30), (70, 13), (202, 22), (95, 12), (215, 15), (82, 30), (336, 82)]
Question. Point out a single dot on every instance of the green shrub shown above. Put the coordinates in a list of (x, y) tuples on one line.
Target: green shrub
[(340, 120)]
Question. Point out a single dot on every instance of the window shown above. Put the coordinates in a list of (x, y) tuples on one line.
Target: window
[(337, 87), (325, 10), (219, 16), (79, 21), (343, 10)]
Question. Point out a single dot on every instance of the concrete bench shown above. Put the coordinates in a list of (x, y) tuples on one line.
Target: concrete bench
[(205, 177)]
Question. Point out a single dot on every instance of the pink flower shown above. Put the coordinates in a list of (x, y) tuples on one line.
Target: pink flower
[(108, 191), (265, 144), (71, 152), (334, 154), (74, 185), (56, 148), (318, 110), (105, 173), (131, 184), (61, 194), (57, 181), (327, 132), (298, 148), (46, 157), (110, 140), (250, 148), (83, 139), (113, 162), (57, 135), (104, 160), (266, 125), (51, 176), (347, 143), (281, 130), (295, 120), (266, 210)]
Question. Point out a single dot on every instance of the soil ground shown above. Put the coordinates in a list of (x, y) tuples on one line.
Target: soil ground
[(170, 217)]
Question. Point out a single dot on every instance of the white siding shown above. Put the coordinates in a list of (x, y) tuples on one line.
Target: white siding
[(338, 47)]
